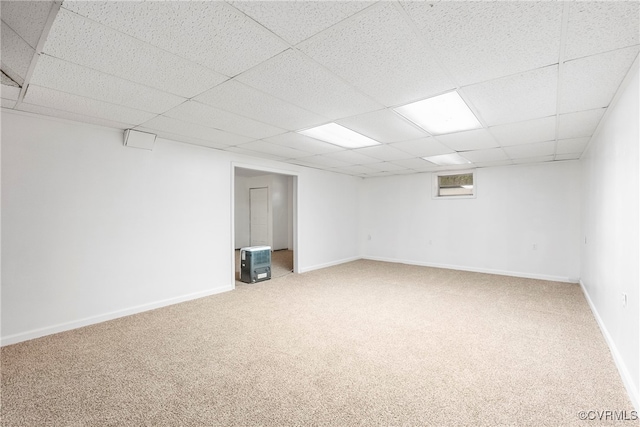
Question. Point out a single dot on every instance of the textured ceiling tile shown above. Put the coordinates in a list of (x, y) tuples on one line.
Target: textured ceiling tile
[(383, 126), (601, 26), (274, 149), (210, 33), (297, 21), (493, 164), (490, 155), (351, 157), (52, 112), (479, 41), (470, 140), (525, 96), (241, 99), (8, 81), (537, 130), (304, 143), (593, 81), (26, 18), (423, 147), (573, 145), (537, 149), (384, 152), (540, 159), (16, 53), (67, 77), (84, 106), (84, 42), (354, 170), (294, 78), (195, 112), (7, 103), (10, 92), (575, 125), (415, 164), (246, 152), (571, 156), (178, 127), (183, 138), (321, 161), (386, 167), (378, 52)]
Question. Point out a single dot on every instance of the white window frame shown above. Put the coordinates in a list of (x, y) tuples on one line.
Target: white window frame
[(435, 188)]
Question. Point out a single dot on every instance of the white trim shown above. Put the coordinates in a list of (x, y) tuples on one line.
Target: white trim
[(477, 270), (329, 264), (634, 394), (67, 326)]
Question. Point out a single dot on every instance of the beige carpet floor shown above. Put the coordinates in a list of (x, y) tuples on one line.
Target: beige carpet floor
[(364, 343)]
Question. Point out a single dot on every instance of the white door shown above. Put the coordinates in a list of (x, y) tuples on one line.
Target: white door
[(259, 205)]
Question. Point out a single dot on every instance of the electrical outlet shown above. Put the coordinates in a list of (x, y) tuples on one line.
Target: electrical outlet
[(624, 299)]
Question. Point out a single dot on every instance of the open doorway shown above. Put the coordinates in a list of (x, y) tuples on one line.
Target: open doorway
[(264, 214)]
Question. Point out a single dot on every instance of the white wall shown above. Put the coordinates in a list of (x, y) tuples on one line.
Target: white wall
[(93, 230), (610, 256), (516, 207)]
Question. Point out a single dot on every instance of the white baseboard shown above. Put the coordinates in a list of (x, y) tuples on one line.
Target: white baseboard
[(329, 264), (61, 327), (476, 270), (634, 394)]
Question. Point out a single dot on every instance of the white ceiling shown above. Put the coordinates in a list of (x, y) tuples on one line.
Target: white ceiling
[(243, 76)]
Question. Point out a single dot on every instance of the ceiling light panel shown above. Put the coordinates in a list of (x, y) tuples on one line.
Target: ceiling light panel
[(441, 114), (16, 53), (526, 132), (470, 140), (304, 143), (82, 118), (573, 145), (596, 27), (297, 21), (339, 135), (192, 130), (448, 160), (592, 82), (210, 33), (384, 126), (296, 79), (538, 149), (75, 39), (490, 155), (84, 106), (422, 147), (524, 96), (575, 125), (205, 115), (491, 39), (378, 52), (67, 77), (27, 18)]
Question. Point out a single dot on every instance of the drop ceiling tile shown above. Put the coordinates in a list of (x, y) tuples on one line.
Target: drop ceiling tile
[(10, 92), (575, 125), (479, 41), (210, 33), (423, 147), (418, 164), (8, 81), (351, 157), (16, 53), (520, 97), (386, 167), (304, 143), (537, 149), (596, 27), (354, 170), (27, 18), (490, 155), (593, 81), (52, 112), (84, 42), (244, 100), (7, 103), (384, 152), (261, 155), (179, 127), (294, 78), (71, 78), (470, 140), (493, 164), (383, 126), (321, 161), (380, 174), (540, 159), (297, 21), (572, 156), (573, 145), (183, 138), (45, 97), (378, 52), (274, 149), (195, 112), (537, 130)]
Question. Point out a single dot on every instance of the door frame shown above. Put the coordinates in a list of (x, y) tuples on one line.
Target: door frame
[(267, 170)]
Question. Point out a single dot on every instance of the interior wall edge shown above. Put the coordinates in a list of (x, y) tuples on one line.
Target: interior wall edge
[(329, 264)]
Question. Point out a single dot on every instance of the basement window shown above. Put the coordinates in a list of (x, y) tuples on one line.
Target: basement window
[(459, 184)]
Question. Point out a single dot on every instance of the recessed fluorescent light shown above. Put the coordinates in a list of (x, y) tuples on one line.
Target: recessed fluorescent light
[(339, 135), (441, 114), (448, 159)]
